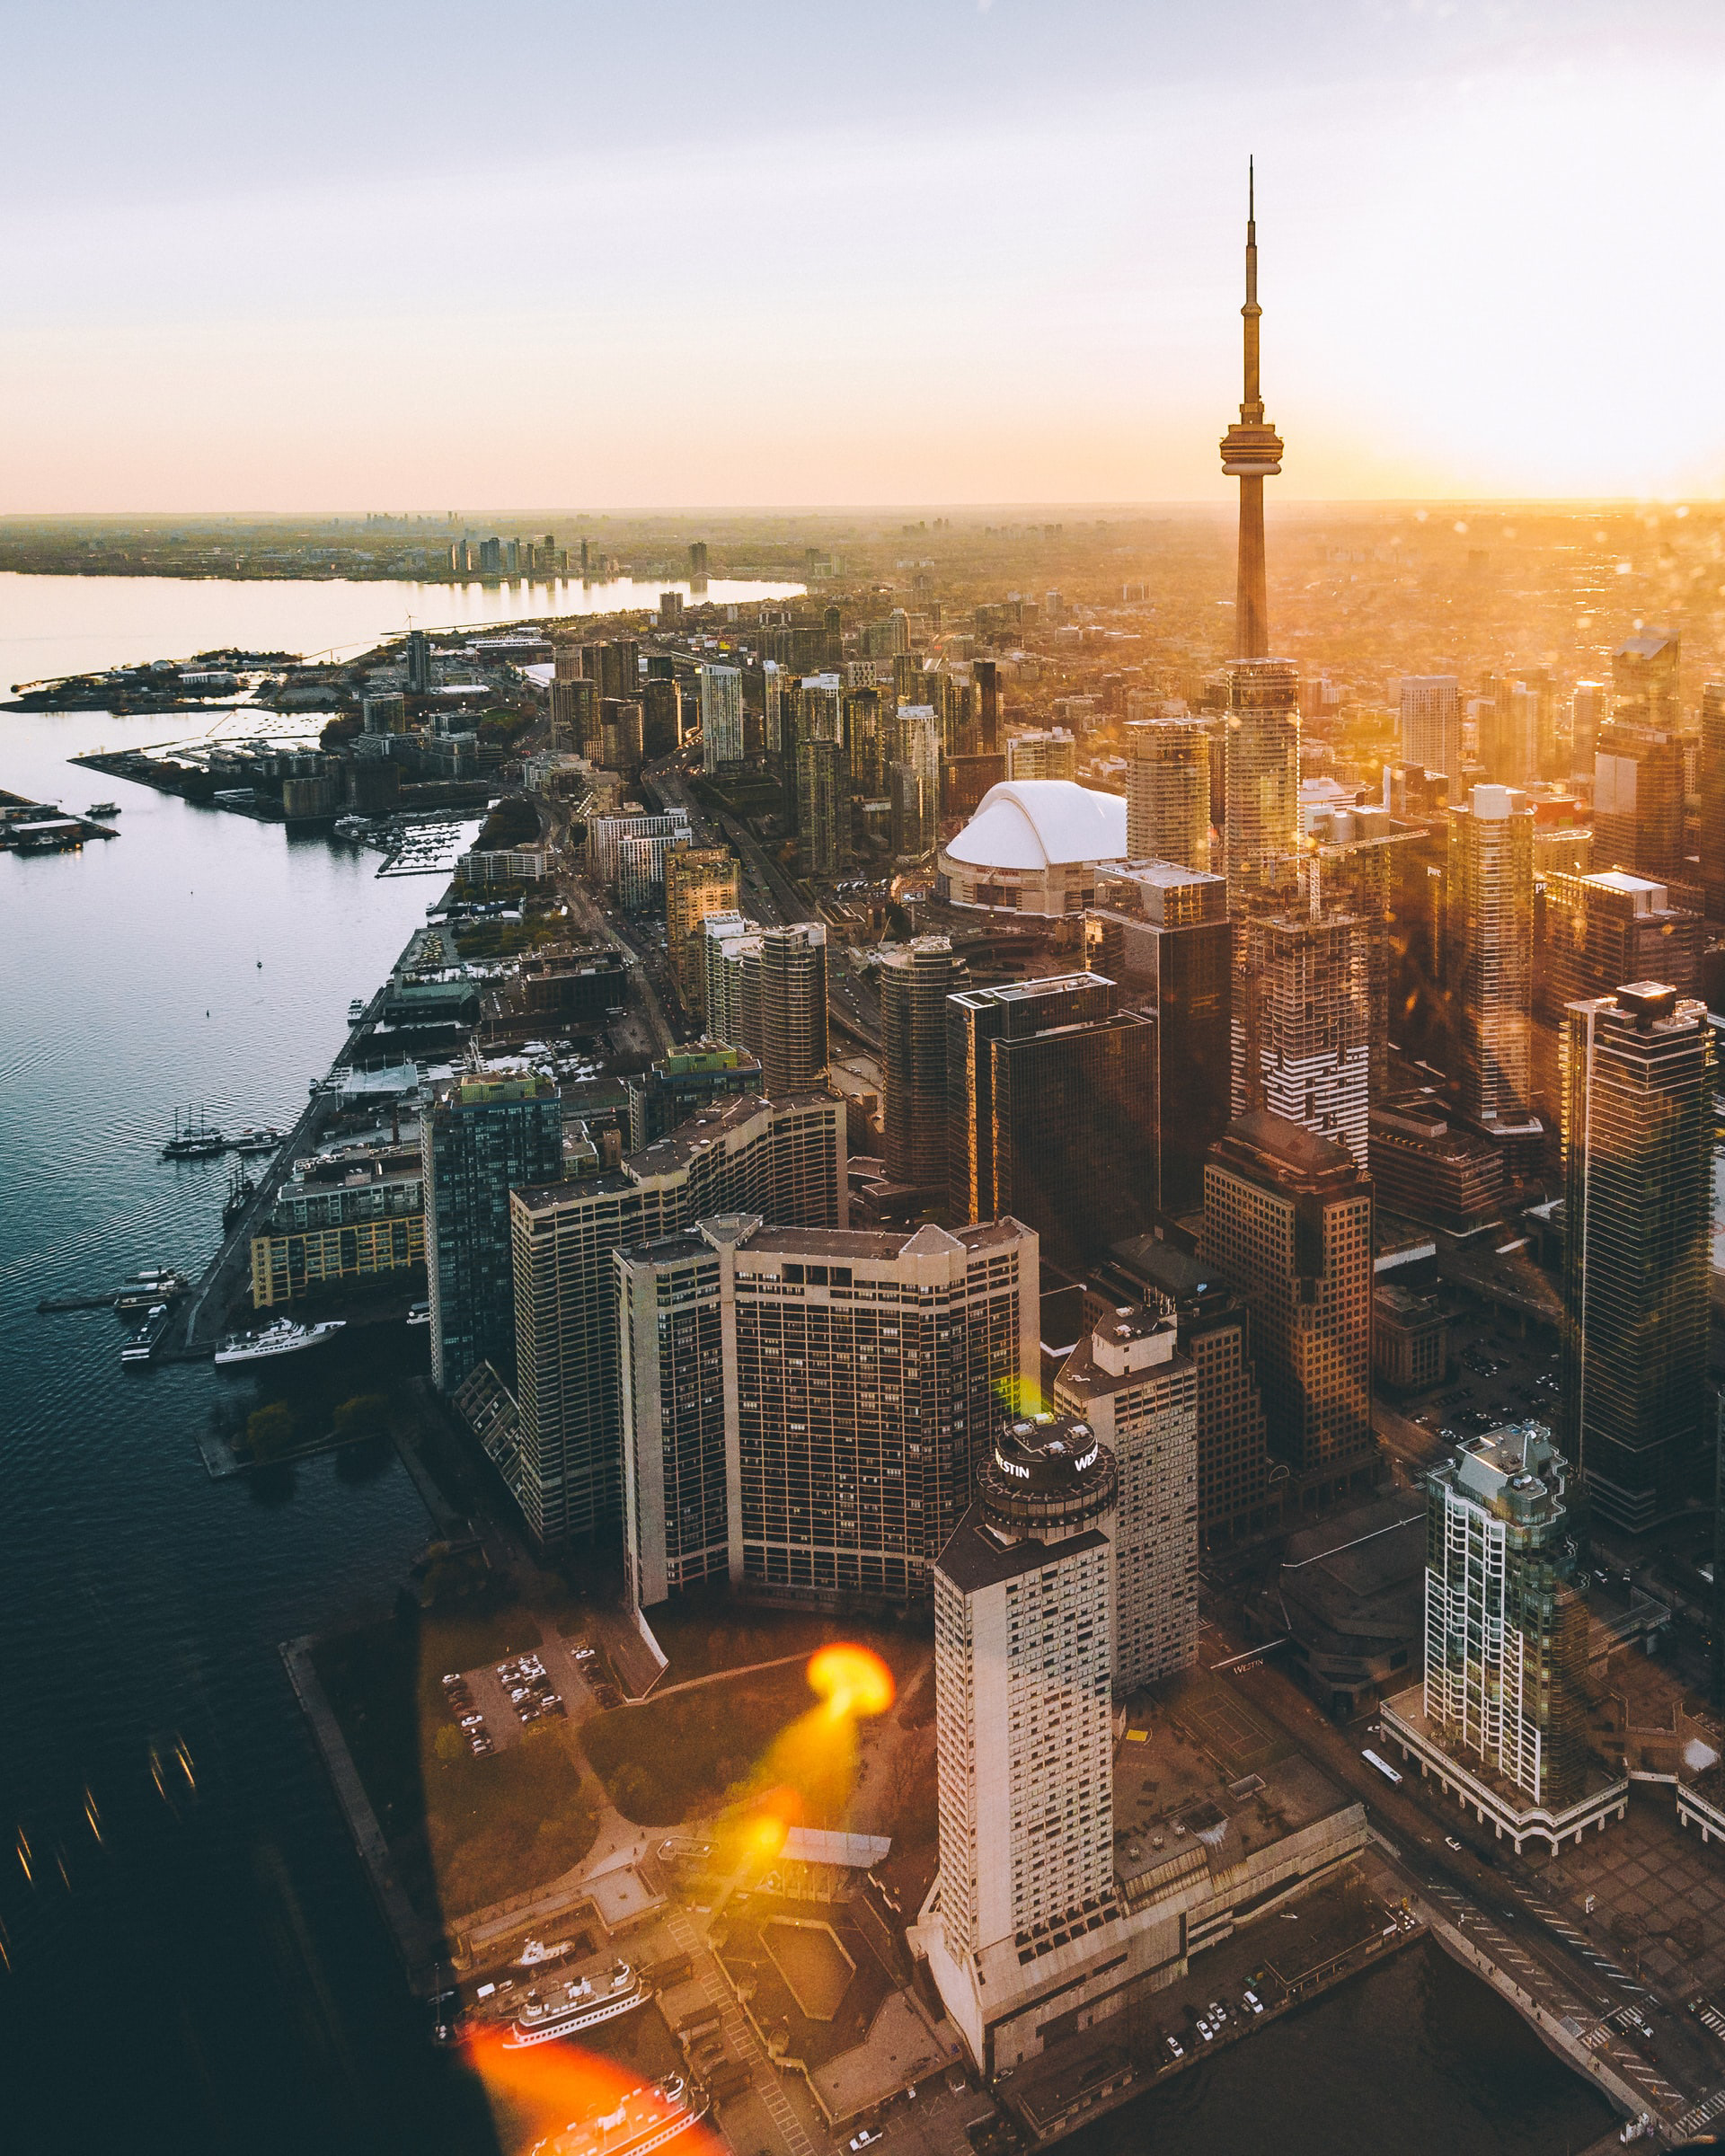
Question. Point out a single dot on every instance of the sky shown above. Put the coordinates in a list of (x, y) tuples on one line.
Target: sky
[(373, 256)]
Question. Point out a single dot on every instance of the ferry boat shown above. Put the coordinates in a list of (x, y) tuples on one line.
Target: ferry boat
[(198, 1141), (144, 1290), (646, 2119), (141, 1345), (258, 1137), (562, 2009), (99, 812), (283, 1338)]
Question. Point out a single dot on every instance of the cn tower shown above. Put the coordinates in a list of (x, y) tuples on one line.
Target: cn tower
[(1251, 452)]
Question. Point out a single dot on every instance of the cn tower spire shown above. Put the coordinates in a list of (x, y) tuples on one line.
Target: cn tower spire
[(1251, 452)]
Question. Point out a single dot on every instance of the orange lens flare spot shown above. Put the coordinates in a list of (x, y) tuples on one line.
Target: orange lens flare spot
[(851, 1680)]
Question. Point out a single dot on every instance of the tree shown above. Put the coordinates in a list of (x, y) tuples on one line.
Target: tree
[(269, 1430), (365, 1412)]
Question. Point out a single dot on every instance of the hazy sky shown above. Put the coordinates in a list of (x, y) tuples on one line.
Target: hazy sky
[(562, 255)]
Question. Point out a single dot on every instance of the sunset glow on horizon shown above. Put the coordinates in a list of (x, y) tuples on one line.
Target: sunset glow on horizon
[(950, 254)]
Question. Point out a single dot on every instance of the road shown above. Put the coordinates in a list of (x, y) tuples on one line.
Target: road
[(1478, 1885), (768, 894)]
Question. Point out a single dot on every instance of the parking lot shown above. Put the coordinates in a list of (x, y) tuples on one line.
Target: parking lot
[(495, 1704), (1498, 1377)]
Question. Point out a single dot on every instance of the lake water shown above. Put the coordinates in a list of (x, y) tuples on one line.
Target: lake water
[(217, 1979)]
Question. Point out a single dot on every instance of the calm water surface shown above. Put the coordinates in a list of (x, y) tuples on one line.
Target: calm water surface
[(214, 1978)]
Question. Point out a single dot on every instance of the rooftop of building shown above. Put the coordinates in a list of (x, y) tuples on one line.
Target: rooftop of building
[(1345, 1570), (1515, 1473), (1041, 823), (1288, 1147), (1200, 1772), (1126, 1346), (709, 1125), (975, 1558)]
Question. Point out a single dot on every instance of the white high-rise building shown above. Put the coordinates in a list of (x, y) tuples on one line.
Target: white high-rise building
[(1128, 1380), (722, 716), (1431, 724), (1024, 1601)]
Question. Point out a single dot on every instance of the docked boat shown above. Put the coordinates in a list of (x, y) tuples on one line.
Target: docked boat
[(144, 1290), (258, 1137), (241, 1189), (563, 2009), (196, 1140), (418, 1313), (646, 2119), (283, 1338), (141, 1345), (100, 811), (356, 1010)]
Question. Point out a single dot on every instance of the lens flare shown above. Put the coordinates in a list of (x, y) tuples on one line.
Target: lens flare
[(574, 2101), (851, 1680)]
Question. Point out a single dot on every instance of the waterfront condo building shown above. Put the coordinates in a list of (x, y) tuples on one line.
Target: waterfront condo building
[(1638, 1144), (1129, 1380), (766, 991), (1168, 792), (699, 880), (722, 716), (823, 806), (801, 1406), (1052, 1111), (782, 1159), (1489, 943), (1596, 931), (915, 979), (478, 1139), (1042, 753), (1288, 1224)]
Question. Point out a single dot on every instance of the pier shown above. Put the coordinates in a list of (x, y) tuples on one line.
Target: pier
[(209, 1308)]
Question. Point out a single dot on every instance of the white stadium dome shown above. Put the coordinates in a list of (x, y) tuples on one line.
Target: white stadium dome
[(1033, 846)]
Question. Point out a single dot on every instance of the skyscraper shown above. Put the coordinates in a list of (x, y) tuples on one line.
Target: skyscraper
[(1506, 1625), (1596, 931), (1168, 792), (1288, 1224), (1167, 939), (1638, 1091), (1431, 724), (784, 1005), (478, 1141), (1042, 753), (823, 806), (1251, 452), (1239, 1493), (1303, 1021), (1589, 707), (987, 674), (661, 714), (1638, 799), (1261, 833), (1128, 1379), (562, 1459), (801, 1406), (1024, 1621), (699, 880), (1052, 1111), (1713, 799), (1644, 673), (915, 980), (1489, 945), (418, 663), (722, 716)]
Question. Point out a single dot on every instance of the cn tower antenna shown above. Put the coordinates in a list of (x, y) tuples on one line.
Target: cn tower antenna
[(1251, 452)]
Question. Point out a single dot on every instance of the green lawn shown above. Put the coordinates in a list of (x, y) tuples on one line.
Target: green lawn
[(676, 1758)]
